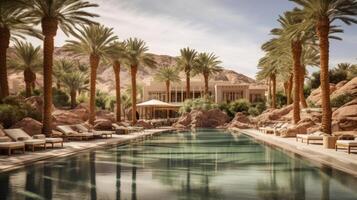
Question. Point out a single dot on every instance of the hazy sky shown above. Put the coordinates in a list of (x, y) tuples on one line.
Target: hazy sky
[(233, 29)]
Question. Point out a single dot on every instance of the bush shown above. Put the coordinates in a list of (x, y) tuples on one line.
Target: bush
[(261, 107), (60, 98), (311, 104), (253, 111), (83, 98), (197, 104), (240, 105), (101, 100), (341, 100), (14, 110)]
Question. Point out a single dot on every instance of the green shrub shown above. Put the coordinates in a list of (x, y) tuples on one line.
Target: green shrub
[(261, 107), (311, 104), (341, 100), (15, 110), (240, 105), (101, 100), (253, 111), (83, 98), (60, 98), (225, 108), (281, 99), (197, 104)]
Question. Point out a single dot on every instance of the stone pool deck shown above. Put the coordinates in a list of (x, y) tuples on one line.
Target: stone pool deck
[(15, 161), (314, 152)]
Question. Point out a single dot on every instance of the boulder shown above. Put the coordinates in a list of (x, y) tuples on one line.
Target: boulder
[(341, 84), (347, 88), (30, 126), (82, 113), (144, 124), (103, 114), (63, 117), (102, 124), (346, 116), (315, 96), (202, 119), (300, 128), (273, 115), (240, 121)]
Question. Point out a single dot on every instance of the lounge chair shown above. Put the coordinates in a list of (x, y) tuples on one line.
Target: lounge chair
[(349, 144), (279, 130), (9, 146), (18, 135), (51, 141), (127, 128), (70, 134), (317, 136), (120, 130), (83, 129), (271, 129)]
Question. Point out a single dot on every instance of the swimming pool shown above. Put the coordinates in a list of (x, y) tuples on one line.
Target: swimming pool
[(206, 164)]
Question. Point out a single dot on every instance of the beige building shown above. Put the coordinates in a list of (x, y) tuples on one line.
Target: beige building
[(221, 91)]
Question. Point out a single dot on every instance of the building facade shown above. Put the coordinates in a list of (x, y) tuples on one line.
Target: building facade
[(220, 91)]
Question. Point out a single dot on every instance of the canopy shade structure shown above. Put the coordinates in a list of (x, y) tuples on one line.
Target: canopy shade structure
[(157, 104), (149, 109)]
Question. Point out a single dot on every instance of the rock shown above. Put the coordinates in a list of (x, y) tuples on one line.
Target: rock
[(82, 113), (300, 128), (202, 119), (346, 116), (240, 121), (144, 124), (348, 88), (341, 84), (103, 114), (102, 124), (30, 126), (273, 115), (63, 117), (315, 96)]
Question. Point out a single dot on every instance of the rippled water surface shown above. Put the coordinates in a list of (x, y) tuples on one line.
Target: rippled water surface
[(206, 164)]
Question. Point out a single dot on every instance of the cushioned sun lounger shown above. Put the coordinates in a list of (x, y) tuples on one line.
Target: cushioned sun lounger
[(19, 135), (9, 146), (72, 134), (349, 144), (51, 141), (317, 136), (81, 128)]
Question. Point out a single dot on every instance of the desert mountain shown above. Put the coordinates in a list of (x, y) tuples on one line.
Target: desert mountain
[(105, 72)]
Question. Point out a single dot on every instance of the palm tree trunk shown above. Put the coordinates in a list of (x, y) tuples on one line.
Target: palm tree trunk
[(134, 70), (49, 30), (188, 85), (29, 79), (4, 45), (205, 76), (296, 48), (323, 29), (116, 67), (168, 92), (273, 78), (302, 83), (73, 95), (94, 62), (269, 93), (290, 88)]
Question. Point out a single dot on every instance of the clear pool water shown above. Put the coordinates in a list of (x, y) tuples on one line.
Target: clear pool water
[(207, 164)]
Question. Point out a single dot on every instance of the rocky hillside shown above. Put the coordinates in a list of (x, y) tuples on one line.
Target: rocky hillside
[(106, 77)]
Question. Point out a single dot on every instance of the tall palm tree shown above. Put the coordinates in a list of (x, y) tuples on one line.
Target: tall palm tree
[(15, 21), (168, 75), (137, 56), (207, 64), (74, 81), (126, 103), (93, 41), (61, 67), (28, 60), (51, 14), (321, 14), (186, 63), (117, 55)]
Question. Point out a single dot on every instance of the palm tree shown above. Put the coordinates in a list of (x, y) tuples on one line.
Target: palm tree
[(207, 65), (117, 55), (28, 60), (93, 41), (74, 81), (126, 102), (137, 56), (186, 63), (61, 67), (52, 14), (320, 14), (167, 75), (14, 23)]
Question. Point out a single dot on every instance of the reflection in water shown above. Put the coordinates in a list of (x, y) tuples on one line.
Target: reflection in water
[(207, 164)]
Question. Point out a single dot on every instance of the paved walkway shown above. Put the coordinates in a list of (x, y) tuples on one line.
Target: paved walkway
[(314, 152), (15, 161)]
